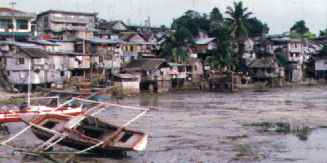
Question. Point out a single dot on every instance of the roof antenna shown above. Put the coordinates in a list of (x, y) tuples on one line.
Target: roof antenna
[(12, 4)]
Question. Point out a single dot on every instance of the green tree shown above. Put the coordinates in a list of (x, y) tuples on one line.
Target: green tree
[(257, 28), (216, 20), (323, 51), (239, 28), (223, 56), (323, 33), (300, 27), (193, 21), (175, 47)]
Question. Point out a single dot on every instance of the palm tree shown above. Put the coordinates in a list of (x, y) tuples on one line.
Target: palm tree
[(238, 18)]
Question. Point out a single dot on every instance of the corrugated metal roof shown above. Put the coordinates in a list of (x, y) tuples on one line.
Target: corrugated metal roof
[(45, 42), (145, 64), (204, 41), (19, 44), (105, 41), (34, 52)]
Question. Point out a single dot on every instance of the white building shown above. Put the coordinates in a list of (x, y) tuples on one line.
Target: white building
[(15, 24)]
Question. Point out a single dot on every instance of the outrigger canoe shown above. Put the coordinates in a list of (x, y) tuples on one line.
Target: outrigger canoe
[(87, 133)]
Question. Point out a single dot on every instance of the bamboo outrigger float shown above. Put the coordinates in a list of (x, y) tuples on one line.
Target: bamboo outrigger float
[(85, 133)]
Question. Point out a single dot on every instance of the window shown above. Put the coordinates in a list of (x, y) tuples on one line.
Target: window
[(6, 24), (62, 73), (101, 59), (20, 61), (22, 24), (195, 68), (46, 21)]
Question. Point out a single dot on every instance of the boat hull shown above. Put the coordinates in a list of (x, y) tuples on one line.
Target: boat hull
[(79, 145), (116, 140)]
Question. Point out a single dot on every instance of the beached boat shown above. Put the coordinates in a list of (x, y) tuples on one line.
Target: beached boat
[(86, 133), (52, 106)]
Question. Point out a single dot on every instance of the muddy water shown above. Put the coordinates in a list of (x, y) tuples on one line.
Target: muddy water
[(213, 127)]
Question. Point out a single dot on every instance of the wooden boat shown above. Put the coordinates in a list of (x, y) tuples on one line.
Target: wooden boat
[(15, 115), (86, 133)]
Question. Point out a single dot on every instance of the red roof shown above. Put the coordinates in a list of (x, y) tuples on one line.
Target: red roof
[(3, 9)]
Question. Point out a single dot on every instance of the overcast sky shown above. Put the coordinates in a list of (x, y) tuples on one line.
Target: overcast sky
[(279, 14)]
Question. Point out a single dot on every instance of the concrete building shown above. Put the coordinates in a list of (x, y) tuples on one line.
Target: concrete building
[(15, 24), (107, 54), (65, 25)]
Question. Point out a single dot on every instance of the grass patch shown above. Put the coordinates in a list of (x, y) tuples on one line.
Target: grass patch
[(12, 101)]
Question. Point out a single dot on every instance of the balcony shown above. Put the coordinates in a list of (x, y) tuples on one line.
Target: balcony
[(60, 28), (68, 19)]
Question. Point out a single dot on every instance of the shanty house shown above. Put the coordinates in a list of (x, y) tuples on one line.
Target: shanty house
[(265, 69), (178, 74), (128, 83), (22, 59), (154, 73), (78, 63), (320, 62), (194, 70), (202, 45), (134, 45), (107, 28)]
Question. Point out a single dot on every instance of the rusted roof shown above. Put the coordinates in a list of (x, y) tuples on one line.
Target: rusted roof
[(146, 64), (110, 24), (3, 9), (34, 52), (126, 36), (16, 13)]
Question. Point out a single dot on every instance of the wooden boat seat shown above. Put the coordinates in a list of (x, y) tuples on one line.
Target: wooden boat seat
[(127, 143)]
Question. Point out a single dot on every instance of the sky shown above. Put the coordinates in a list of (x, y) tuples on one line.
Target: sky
[(280, 15)]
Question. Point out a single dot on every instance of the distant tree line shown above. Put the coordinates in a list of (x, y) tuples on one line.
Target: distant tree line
[(231, 30)]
